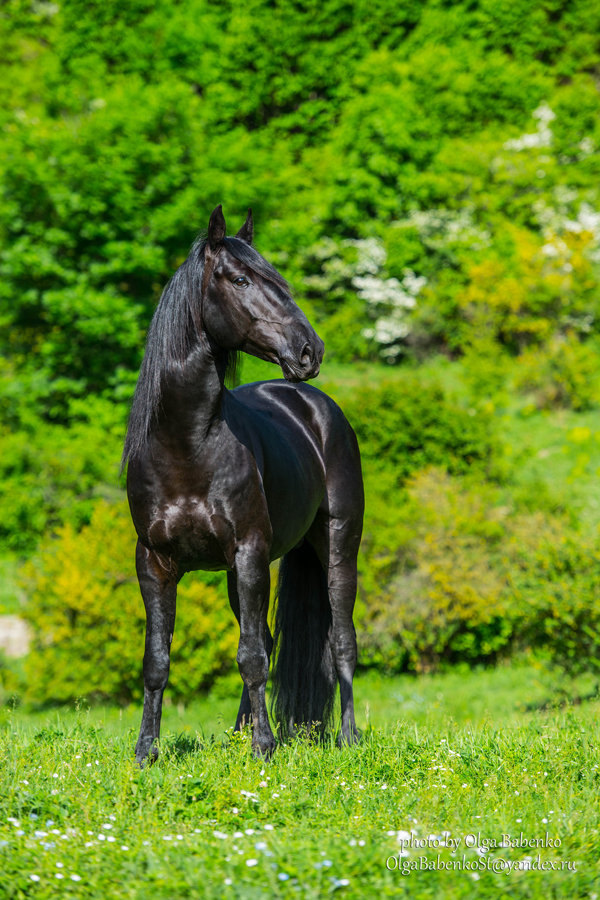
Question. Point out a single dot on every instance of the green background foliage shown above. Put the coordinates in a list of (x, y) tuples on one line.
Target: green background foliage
[(427, 176)]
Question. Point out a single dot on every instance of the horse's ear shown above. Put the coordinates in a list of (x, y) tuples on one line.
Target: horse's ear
[(216, 228), (246, 232)]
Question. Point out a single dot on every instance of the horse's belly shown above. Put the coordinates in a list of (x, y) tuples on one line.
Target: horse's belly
[(293, 505)]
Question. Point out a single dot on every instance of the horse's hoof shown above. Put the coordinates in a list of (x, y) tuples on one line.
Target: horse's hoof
[(264, 750), (146, 757)]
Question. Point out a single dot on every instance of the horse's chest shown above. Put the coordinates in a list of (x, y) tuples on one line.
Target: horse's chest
[(194, 533)]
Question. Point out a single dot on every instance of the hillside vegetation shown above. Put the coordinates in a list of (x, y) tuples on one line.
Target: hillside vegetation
[(426, 175)]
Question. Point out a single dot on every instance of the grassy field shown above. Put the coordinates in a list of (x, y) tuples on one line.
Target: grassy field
[(468, 784)]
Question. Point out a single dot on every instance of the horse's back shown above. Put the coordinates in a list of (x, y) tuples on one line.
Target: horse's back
[(317, 426), (301, 407)]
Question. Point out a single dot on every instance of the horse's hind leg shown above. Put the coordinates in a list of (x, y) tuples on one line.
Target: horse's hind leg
[(244, 712), (158, 584), (336, 541)]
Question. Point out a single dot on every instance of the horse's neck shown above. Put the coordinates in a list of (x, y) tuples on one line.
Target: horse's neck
[(192, 397)]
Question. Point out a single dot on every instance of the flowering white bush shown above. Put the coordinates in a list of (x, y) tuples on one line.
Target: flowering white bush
[(541, 137)]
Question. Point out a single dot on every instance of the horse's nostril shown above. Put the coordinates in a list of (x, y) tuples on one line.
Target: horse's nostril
[(306, 358)]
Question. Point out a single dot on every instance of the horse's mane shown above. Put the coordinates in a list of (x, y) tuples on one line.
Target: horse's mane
[(174, 332)]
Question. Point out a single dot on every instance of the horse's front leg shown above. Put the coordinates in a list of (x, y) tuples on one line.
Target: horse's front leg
[(158, 584), (252, 582), (244, 712)]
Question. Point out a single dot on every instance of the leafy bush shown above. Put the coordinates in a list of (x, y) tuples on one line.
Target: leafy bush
[(556, 582), (405, 424), (50, 474), (87, 617), (563, 374), (458, 573), (430, 592)]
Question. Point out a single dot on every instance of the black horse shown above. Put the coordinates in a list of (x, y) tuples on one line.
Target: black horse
[(232, 480)]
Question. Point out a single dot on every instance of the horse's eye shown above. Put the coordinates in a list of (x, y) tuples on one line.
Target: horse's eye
[(241, 281)]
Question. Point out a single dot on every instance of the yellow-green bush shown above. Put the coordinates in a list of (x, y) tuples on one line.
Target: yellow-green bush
[(563, 373), (87, 618), (438, 598), (460, 573), (555, 581)]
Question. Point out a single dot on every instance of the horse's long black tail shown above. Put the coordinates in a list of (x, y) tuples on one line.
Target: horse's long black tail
[(304, 680)]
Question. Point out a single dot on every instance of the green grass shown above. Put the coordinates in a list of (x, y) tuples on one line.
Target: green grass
[(469, 753)]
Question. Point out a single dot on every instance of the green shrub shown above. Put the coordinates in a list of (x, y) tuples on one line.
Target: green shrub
[(562, 374), (87, 617), (405, 425), (430, 592), (459, 573), (556, 582), (50, 474)]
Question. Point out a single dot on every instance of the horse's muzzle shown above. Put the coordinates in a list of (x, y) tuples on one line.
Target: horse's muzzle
[(307, 364)]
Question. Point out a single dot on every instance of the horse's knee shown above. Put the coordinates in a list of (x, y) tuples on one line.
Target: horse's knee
[(253, 664), (156, 670)]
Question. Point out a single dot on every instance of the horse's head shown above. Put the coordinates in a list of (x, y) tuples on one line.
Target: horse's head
[(247, 305)]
